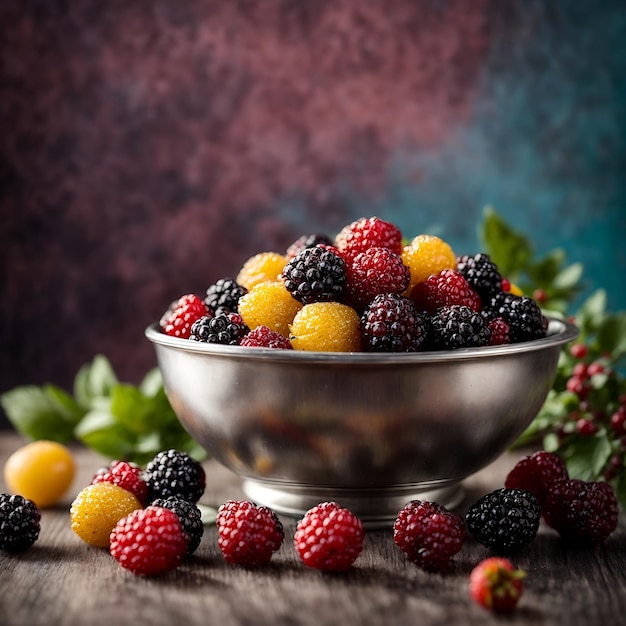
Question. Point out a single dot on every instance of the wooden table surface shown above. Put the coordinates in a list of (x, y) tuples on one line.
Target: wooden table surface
[(61, 580)]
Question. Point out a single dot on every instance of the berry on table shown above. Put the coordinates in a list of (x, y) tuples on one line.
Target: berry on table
[(504, 520), (19, 523), (537, 473), (125, 475), (223, 296), (329, 537), (269, 304), (175, 473), (224, 329), (181, 315), (248, 534), (97, 509), (581, 512), (372, 272), (326, 327), (190, 519), (149, 541), (496, 585), (428, 534), (316, 275), (391, 323), (41, 471), (446, 288)]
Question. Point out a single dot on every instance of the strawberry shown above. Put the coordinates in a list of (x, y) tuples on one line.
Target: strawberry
[(496, 585)]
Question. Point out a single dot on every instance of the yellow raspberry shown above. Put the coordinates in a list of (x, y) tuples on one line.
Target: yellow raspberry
[(515, 290), (269, 304), (262, 267), (326, 327), (427, 255), (97, 509)]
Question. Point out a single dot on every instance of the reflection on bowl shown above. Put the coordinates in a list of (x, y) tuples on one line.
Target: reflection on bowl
[(371, 431)]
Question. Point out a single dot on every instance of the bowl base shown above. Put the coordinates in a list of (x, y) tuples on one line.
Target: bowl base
[(377, 508)]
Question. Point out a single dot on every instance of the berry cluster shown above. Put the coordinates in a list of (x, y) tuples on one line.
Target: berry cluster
[(147, 518), (361, 291)]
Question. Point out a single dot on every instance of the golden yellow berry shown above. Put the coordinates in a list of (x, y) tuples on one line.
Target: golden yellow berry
[(269, 304), (326, 327), (427, 255), (97, 509), (262, 267), (41, 471), (515, 290)]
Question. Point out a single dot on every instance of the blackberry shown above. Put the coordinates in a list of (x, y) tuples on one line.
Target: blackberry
[(307, 241), (391, 323), (525, 319), (19, 523), (224, 328), (504, 520), (481, 273), (224, 296), (175, 473), (458, 326), (316, 275), (189, 516)]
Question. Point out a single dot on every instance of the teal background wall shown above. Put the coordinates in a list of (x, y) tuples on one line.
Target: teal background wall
[(148, 148)]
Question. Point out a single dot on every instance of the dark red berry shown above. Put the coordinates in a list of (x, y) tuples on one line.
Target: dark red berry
[(500, 331), (179, 318), (595, 368), (580, 371), (127, 476), (540, 296), (581, 512), (586, 427), (248, 535), (329, 537), (446, 288), (618, 421), (428, 534), (149, 541), (537, 473), (264, 337), (367, 233), (496, 585), (578, 350)]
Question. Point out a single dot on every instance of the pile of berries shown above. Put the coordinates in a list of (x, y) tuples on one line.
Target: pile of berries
[(147, 518), (362, 290)]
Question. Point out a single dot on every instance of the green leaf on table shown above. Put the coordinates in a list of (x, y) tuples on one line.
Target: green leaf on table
[(208, 514), (94, 380), (41, 412), (99, 430)]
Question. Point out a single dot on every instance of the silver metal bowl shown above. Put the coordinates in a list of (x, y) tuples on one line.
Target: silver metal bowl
[(371, 431)]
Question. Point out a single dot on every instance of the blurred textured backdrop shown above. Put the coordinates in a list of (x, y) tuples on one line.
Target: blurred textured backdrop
[(147, 148)]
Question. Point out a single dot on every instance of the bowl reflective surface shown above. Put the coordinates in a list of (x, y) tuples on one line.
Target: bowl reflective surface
[(371, 431)]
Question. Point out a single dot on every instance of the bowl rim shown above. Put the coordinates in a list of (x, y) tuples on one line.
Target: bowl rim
[(560, 332)]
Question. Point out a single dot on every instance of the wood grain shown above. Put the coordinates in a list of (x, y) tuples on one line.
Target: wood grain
[(62, 581)]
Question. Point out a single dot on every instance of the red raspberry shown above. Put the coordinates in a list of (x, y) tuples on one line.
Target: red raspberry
[(329, 537), (496, 585), (446, 288), (368, 233), (125, 475), (500, 332), (149, 541), (264, 337), (581, 512), (537, 473), (375, 271), (178, 319), (248, 535), (428, 534)]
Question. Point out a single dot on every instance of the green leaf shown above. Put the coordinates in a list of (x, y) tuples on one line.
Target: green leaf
[(569, 277), (151, 383), (100, 431), (508, 249), (94, 380), (208, 514), (587, 456), (39, 413), (620, 489), (65, 404), (131, 409), (612, 335)]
